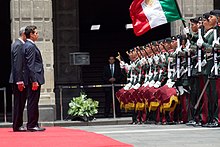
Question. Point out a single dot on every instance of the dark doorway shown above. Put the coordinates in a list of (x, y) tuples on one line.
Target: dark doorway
[(216, 4), (5, 43)]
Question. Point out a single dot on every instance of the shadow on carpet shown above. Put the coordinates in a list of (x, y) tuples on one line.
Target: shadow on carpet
[(56, 137)]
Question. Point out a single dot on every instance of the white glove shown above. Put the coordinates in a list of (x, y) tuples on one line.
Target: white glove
[(170, 84), (185, 49), (127, 86), (157, 84), (203, 63), (168, 81), (188, 44), (178, 49), (163, 57), (182, 69), (150, 75), (213, 67), (133, 66), (177, 92), (137, 86), (143, 61), (151, 83), (181, 90), (199, 42), (170, 59), (186, 30), (169, 74), (146, 84), (150, 60), (122, 64), (215, 42), (156, 59)]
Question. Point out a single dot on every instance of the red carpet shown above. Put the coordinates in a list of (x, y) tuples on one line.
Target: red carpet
[(56, 137)]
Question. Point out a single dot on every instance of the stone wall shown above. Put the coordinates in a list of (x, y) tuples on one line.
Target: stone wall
[(39, 13), (191, 9)]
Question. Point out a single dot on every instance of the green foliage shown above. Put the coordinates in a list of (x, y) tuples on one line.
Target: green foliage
[(83, 106)]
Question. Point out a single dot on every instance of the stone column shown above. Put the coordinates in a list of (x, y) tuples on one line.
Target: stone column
[(39, 13)]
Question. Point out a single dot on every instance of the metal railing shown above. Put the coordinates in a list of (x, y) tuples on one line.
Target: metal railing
[(89, 86), (5, 103)]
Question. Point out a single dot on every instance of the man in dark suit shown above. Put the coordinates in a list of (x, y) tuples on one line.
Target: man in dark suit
[(35, 71), (17, 80), (111, 75)]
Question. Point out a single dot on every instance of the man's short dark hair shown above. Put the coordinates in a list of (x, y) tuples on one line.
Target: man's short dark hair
[(30, 29)]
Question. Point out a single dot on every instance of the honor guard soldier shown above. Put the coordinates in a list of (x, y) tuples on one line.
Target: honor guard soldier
[(215, 15), (193, 116), (205, 42)]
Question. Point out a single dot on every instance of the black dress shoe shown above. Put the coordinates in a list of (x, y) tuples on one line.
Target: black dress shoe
[(206, 125), (139, 123), (20, 129), (191, 123), (133, 123), (158, 123), (36, 129), (213, 124)]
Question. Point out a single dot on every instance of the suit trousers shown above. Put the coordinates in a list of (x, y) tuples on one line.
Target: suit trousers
[(19, 104), (32, 106)]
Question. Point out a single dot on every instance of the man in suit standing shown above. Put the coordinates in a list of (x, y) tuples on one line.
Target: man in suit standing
[(17, 81), (111, 75), (35, 71)]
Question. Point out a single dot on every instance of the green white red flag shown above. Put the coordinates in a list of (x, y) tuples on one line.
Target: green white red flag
[(148, 14)]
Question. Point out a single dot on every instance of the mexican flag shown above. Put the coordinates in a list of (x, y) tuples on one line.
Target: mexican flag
[(148, 14)]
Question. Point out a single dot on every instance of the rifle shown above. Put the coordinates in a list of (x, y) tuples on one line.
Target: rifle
[(199, 52), (188, 60), (215, 52), (178, 64)]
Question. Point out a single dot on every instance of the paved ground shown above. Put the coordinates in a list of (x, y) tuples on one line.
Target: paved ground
[(159, 135), (145, 135)]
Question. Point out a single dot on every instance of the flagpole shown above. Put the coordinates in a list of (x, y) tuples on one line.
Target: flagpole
[(183, 21)]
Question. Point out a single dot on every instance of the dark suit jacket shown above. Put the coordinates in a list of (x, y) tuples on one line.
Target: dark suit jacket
[(107, 74), (17, 62), (34, 63)]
